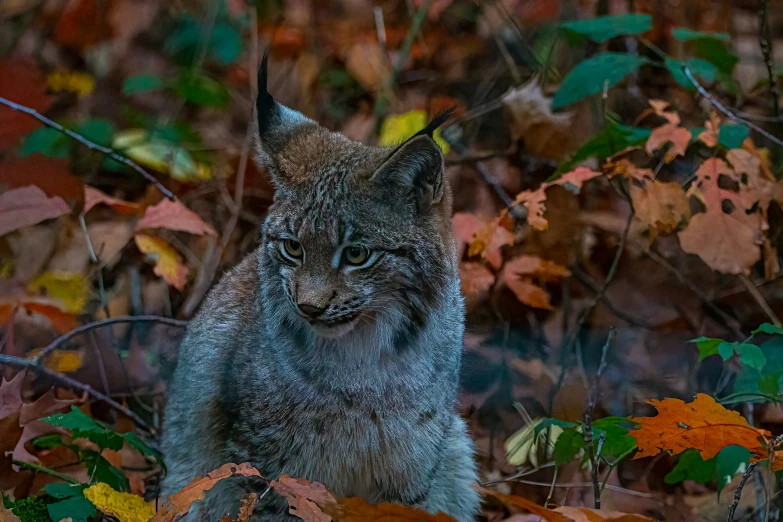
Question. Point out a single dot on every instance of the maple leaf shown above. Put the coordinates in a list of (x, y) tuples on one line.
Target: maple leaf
[(179, 503), (28, 88), (173, 215), (168, 263), (11, 395), (489, 241), (519, 273), (533, 200), (465, 227), (703, 424), (711, 128), (679, 137), (660, 207), (28, 206), (304, 498), (93, 196), (247, 504)]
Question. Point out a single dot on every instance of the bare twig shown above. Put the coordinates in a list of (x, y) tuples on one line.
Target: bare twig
[(754, 291), (116, 156), (589, 419), (733, 117), (766, 50), (592, 285), (738, 493)]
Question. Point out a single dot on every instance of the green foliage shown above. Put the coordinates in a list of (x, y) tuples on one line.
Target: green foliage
[(141, 83), (607, 27), (753, 385), (707, 346), (698, 67), (719, 470), (99, 131), (684, 34), (732, 136), (768, 328), (83, 426), (142, 447), (592, 75), (616, 441), (224, 40), (730, 461), (30, 509), (100, 470), (546, 423), (716, 52), (48, 441), (47, 141), (77, 508), (199, 89), (749, 354), (612, 138), (568, 445)]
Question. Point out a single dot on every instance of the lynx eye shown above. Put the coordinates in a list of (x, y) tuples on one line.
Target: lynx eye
[(356, 255), (293, 248)]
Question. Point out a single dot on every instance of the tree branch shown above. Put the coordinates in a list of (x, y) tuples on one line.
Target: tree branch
[(766, 50), (116, 156), (738, 493)]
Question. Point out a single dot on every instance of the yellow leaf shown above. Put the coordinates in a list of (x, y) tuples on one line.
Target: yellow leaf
[(63, 361), (72, 289), (160, 155), (69, 81), (399, 127), (168, 263), (124, 506)]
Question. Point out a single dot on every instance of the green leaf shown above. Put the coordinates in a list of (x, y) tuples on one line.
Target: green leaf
[(616, 438), (612, 138), (732, 136), (751, 355), (690, 466), (568, 445), (48, 441), (224, 41), (142, 447), (726, 350), (770, 384), (47, 141), (607, 27), (29, 509), (707, 346), (684, 34), (141, 83), (64, 490), (768, 328), (100, 470), (225, 44), (201, 90), (730, 461), (99, 131), (547, 422), (78, 509), (82, 426), (590, 76), (698, 67), (715, 52)]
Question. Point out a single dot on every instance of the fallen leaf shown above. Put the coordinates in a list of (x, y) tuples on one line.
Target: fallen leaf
[(179, 503), (28, 206), (51, 175), (28, 88), (703, 424), (247, 504), (47, 404), (304, 498), (367, 63), (63, 361), (11, 395), (529, 293), (160, 155), (356, 509), (94, 197), (173, 215), (71, 289), (61, 321), (660, 207), (168, 263), (76, 82), (534, 266), (512, 500), (623, 167), (533, 200), (659, 107), (490, 240), (711, 128), (679, 137), (583, 514), (475, 281), (465, 227), (82, 24)]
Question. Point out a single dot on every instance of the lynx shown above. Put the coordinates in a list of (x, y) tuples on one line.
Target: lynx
[(332, 352)]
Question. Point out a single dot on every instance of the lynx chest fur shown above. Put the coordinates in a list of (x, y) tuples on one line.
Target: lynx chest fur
[(332, 352)]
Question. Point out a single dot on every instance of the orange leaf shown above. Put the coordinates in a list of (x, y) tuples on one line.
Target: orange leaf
[(179, 503), (534, 200), (703, 425), (304, 498), (61, 321), (490, 240), (358, 510), (583, 514), (173, 215), (711, 129), (28, 206), (547, 515), (534, 265), (94, 197), (660, 207), (168, 263), (475, 279), (679, 137), (465, 227), (529, 293), (28, 88)]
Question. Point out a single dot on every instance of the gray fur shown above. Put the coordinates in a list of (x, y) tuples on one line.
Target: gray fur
[(366, 406)]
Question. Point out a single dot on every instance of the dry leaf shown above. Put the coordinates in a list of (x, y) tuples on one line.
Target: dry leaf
[(533, 200), (465, 227), (489, 241), (71, 289), (94, 197), (247, 504), (711, 130), (366, 62), (179, 503), (660, 207), (168, 263), (475, 281), (358, 510), (546, 515), (679, 137), (703, 425), (26, 206), (173, 215), (583, 514), (304, 498), (28, 88)]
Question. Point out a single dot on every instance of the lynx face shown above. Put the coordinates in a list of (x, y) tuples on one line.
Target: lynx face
[(358, 237)]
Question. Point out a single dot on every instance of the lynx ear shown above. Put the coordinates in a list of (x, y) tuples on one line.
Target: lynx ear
[(276, 124), (415, 171)]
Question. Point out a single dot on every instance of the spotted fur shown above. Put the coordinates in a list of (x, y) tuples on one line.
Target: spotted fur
[(363, 398)]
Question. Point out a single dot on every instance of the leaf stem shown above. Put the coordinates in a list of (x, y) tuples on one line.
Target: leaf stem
[(44, 469)]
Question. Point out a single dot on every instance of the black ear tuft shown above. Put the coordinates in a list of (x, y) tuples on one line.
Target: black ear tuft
[(436, 122), (266, 107)]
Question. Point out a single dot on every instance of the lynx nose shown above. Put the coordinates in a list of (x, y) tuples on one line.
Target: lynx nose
[(309, 310)]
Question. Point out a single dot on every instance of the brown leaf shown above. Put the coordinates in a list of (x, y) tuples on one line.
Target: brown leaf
[(179, 503), (47, 404), (512, 500), (465, 227), (475, 281), (28, 206), (366, 62), (703, 424), (11, 395), (304, 498), (623, 167), (173, 215), (94, 197), (534, 266), (83, 23), (530, 293), (247, 504), (48, 174), (679, 137), (533, 200), (61, 321), (358, 510), (583, 514), (711, 130), (660, 207), (28, 88), (490, 240)]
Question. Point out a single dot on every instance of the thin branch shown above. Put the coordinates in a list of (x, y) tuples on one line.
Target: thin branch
[(589, 419), (116, 156), (766, 50), (733, 117), (590, 485), (754, 291), (592, 285), (738, 493)]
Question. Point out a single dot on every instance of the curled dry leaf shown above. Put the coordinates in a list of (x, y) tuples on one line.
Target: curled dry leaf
[(305, 498), (173, 215), (546, 515), (179, 503), (660, 207), (703, 425), (659, 107), (26, 206), (520, 273), (679, 137), (168, 263), (624, 167), (93, 196)]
